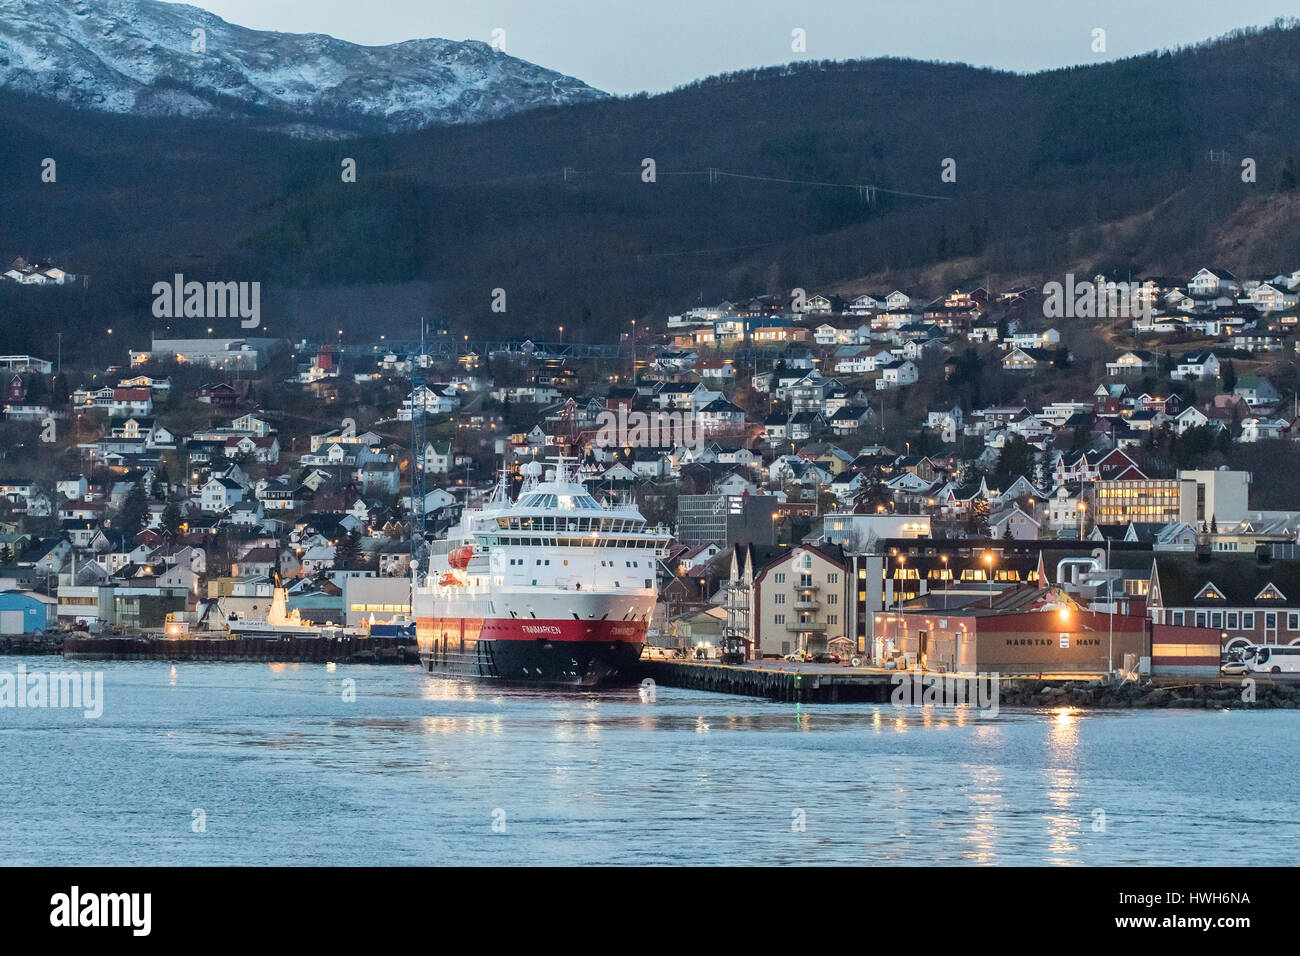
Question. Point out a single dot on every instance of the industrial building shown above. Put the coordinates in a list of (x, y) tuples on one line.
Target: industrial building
[(26, 612), (231, 353)]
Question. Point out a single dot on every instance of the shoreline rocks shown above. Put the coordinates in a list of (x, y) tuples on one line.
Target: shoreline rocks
[(1234, 693)]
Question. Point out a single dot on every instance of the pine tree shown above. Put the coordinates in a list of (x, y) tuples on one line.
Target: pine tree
[(161, 483), (133, 513), (1228, 374), (347, 552), (172, 519)]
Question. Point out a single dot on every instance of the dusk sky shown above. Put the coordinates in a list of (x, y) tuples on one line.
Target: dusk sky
[(625, 47)]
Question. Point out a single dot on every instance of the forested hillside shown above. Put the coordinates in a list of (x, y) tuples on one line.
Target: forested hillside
[(1106, 166)]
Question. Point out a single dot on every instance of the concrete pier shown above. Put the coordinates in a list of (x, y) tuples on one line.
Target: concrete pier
[(345, 650), (831, 683)]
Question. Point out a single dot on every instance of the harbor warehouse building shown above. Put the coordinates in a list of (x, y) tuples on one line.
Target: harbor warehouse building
[(1056, 638), (26, 612), (376, 599), (1049, 635)]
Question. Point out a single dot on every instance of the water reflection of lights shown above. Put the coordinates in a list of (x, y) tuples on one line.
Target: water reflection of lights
[(1063, 824), (701, 725), (987, 802), (476, 726), (434, 689), (1063, 732)]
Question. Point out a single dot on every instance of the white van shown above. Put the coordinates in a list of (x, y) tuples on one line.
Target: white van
[(1275, 659)]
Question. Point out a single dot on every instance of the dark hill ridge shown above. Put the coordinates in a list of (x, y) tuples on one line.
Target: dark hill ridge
[(1046, 165)]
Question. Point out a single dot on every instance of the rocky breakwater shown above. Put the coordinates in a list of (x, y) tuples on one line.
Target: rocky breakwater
[(1229, 693)]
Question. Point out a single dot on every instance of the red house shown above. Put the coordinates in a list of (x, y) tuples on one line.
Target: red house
[(221, 395)]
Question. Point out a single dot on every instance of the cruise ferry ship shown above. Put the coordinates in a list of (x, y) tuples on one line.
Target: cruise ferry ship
[(552, 588)]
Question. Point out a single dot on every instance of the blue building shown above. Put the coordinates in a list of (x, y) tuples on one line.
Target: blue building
[(26, 612)]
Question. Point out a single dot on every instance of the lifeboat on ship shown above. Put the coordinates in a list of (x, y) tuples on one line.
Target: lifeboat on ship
[(460, 557)]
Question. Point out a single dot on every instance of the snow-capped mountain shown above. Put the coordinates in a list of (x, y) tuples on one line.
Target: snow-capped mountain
[(139, 56)]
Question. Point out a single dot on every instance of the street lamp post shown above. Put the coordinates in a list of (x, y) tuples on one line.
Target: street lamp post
[(988, 565), (902, 562), (1110, 616), (946, 581)]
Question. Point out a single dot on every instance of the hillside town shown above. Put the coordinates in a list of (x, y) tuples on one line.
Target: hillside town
[(870, 478)]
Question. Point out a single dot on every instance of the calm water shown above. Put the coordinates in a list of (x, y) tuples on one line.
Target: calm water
[(414, 770)]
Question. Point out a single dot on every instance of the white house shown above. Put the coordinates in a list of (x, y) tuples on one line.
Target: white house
[(1033, 340), (437, 400), (1131, 362), (218, 494), (1023, 526), (1189, 417), (437, 457), (1213, 282), (1196, 365), (1261, 429), (897, 374), (1269, 298)]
